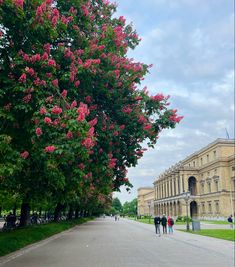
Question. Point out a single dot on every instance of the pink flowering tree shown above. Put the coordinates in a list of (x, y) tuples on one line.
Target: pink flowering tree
[(70, 99)]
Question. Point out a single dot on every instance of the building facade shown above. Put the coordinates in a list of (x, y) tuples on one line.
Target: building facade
[(145, 201), (209, 176)]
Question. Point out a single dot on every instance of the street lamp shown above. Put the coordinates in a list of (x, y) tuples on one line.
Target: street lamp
[(186, 196), (149, 205)]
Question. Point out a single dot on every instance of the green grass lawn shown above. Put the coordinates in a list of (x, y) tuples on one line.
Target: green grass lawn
[(226, 234), (14, 240)]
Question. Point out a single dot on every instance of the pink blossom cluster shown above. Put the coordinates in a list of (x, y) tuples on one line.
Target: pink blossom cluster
[(158, 97), (19, 3), (112, 163), (82, 111), (38, 132), (24, 154), (69, 135), (88, 143), (49, 149), (56, 110), (174, 118)]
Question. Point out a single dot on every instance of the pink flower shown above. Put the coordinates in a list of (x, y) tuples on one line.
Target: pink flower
[(56, 110), (158, 97), (69, 135), (147, 127), (35, 58), (43, 110), (88, 143), (55, 82), (81, 117), (93, 122), (27, 98), (88, 99), (45, 56), (117, 73), (49, 149), (112, 163), (38, 132), (74, 104), (126, 110), (47, 120), (51, 62), (22, 78), (81, 166), (122, 127), (19, 3), (30, 71), (64, 93), (76, 84), (24, 154)]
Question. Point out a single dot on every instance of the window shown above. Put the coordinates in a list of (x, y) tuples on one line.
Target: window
[(208, 174), (194, 164), (207, 158), (201, 161), (217, 206), (209, 187), (214, 153), (203, 207), (216, 185), (202, 188), (209, 207)]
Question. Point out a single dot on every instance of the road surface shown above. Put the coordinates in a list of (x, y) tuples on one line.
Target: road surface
[(105, 242)]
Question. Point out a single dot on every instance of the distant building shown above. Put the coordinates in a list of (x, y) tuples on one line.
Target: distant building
[(209, 176), (145, 201)]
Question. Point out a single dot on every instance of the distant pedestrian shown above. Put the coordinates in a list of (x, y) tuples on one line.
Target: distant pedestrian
[(157, 222), (115, 217), (164, 222), (170, 223), (230, 220)]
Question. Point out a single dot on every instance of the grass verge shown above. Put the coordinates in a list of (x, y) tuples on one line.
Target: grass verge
[(14, 240), (226, 234)]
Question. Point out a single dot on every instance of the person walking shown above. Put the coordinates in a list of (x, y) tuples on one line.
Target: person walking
[(164, 222), (170, 223), (230, 220), (157, 222)]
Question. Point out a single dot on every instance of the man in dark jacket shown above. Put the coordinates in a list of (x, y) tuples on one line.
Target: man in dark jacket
[(164, 222), (157, 221)]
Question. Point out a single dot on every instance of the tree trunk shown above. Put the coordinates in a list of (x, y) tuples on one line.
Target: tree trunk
[(0, 211), (58, 209), (14, 210), (70, 215), (76, 213), (24, 214)]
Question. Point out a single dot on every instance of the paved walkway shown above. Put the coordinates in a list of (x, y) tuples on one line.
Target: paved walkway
[(124, 243)]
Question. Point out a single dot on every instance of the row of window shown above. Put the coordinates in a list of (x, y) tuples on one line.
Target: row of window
[(207, 207), (206, 187), (204, 160)]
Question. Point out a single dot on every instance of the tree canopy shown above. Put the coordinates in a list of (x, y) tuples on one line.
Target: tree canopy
[(73, 115)]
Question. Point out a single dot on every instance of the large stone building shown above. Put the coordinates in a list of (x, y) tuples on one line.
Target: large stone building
[(209, 176)]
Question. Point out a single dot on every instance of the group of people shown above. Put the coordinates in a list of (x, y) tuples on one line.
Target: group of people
[(166, 222)]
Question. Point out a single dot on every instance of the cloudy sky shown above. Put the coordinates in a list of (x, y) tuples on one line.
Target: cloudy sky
[(191, 44)]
